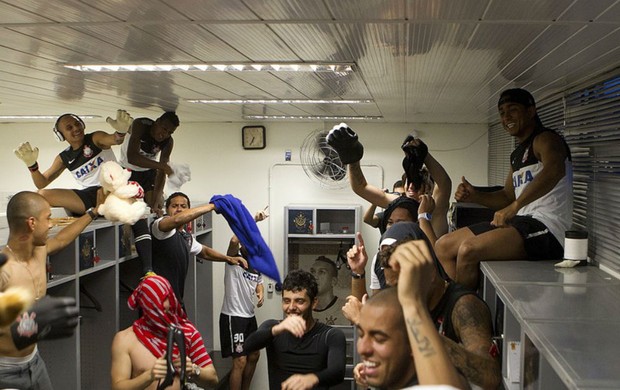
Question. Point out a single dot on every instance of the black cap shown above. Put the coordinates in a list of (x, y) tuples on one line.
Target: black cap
[(411, 230), (516, 95)]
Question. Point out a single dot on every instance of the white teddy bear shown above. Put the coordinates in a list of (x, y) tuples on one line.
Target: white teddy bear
[(124, 202)]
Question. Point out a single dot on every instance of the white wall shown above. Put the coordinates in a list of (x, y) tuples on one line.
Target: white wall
[(221, 166)]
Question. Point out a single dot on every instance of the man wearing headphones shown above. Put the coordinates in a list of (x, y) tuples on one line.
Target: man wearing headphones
[(83, 158)]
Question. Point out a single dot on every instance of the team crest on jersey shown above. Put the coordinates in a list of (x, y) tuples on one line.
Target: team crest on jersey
[(27, 325), (526, 154), (88, 152), (238, 348)]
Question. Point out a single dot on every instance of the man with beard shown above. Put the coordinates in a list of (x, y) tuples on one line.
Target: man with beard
[(302, 353)]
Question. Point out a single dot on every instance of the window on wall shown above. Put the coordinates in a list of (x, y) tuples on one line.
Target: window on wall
[(589, 118)]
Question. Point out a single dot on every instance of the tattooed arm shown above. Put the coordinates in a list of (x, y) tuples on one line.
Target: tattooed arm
[(471, 320), (416, 269), (360, 186)]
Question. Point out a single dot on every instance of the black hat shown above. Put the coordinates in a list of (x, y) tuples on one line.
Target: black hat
[(516, 95), (411, 230)]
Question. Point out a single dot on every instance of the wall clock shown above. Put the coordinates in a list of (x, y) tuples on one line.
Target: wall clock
[(253, 137)]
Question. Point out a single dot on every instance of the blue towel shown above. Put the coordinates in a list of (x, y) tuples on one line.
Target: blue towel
[(243, 225)]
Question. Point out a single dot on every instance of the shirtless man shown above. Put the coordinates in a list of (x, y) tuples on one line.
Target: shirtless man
[(28, 246), (139, 358)]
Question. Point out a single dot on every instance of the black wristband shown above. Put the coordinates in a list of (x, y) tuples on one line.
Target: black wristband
[(358, 276), (34, 167), (91, 212)]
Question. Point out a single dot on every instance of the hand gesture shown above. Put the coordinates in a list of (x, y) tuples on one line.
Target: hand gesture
[(359, 375), (501, 217), (414, 261), (300, 382), (159, 369), (353, 306), (427, 204), (238, 260), (261, 215), (357, 256), (345, 142), (27, 154), (122, 122), (261, 298), (293, 324), (465, 192), (168, 170)]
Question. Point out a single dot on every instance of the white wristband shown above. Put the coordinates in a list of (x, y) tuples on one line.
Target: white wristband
[(427, 216)]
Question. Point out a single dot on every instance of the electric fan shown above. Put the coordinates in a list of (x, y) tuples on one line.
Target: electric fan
[(321, 162)]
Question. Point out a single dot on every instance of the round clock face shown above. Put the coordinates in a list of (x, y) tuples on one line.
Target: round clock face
[(253, 137)]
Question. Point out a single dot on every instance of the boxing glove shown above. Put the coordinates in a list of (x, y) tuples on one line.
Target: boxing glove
[(27, 154), (49, 318), (122, 122), (345, 142)]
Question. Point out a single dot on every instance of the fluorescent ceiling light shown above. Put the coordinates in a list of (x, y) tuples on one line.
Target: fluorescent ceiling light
[(312, 117), (279, 101), (341, 68), (54, 117)]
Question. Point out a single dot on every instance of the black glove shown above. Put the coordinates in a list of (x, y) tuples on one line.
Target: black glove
[(414, 160), (344, 141), (49, 318)]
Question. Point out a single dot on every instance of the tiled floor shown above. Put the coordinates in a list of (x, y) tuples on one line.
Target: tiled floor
[(222, 366)]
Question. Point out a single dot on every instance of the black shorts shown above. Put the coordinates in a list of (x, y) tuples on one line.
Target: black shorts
[(538, 241), (88, 196), (145, 178), (233, 332)]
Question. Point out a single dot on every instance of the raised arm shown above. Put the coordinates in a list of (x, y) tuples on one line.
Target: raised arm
[(29, 156), (357, 258), (211, 254), (68, 234), (160, 178), (370, 193), (414, 262), (172, 222), (441, 194), (370, 218)]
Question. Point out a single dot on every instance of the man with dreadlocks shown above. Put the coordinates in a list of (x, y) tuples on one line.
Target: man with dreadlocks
[(139, 353)]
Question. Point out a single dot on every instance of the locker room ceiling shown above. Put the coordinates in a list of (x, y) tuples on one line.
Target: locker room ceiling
[(433, 61)]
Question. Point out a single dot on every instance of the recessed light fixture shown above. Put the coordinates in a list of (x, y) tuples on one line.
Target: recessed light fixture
[(280, 101), (216, 67), (54, 117), (311, 117)]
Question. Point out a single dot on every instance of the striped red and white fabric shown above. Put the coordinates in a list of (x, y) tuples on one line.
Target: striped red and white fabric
[(152, 327)]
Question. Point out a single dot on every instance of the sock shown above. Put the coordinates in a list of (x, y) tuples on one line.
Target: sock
[(142, 238)]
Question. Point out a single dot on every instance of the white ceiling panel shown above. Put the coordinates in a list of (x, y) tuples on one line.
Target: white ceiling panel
[(418, 60)]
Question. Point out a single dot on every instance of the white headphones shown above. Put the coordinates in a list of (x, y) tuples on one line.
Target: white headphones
[(58, 133)]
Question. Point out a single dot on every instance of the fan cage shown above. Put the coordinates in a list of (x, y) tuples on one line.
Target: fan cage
[(321, 162)]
